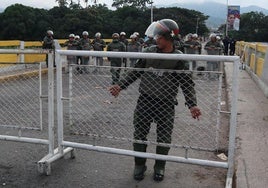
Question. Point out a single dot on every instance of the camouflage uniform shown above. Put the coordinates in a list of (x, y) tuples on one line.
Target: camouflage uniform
[(192, 47), (71, 44), (98, 45), (213, 48), (157, 100), (116, 46), (48, 43), (85, 44), (133, 46)]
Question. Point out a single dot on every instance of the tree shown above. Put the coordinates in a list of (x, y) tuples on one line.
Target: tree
[(253, 28), (62, 3), (133, 3), (96, 18)]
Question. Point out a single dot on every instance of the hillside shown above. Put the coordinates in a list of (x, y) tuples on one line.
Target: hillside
[(217, 12)]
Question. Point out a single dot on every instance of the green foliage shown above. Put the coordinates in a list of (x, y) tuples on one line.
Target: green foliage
[(140, 4), (26, 23), (253, 28)]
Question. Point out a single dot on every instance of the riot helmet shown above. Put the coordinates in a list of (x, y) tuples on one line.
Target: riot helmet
[(162, 27)]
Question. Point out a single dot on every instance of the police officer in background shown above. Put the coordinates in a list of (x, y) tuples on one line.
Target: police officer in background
[(133, 46), (85, 44), (192, 46), (123, 39), (150, 41), (213, 47), (78, 58), (71, 44), (116, 46), (48, 44), (98, 45), (158, 91)]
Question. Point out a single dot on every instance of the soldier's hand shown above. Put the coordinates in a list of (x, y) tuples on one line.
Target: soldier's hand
[(195, 111), (115, 90)]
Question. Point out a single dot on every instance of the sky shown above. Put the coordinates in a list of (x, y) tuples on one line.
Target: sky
[(47, 4)]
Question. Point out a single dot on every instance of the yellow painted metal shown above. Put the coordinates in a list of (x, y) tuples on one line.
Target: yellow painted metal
[(260, 63)]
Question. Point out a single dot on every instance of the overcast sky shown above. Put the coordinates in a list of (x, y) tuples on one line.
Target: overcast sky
[(47, 4)]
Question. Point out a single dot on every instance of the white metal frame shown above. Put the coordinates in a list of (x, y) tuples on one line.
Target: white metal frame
[(42, 166), (64, 146)]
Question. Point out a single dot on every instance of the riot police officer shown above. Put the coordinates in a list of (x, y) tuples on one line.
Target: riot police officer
[(158, 92), (116, 46)]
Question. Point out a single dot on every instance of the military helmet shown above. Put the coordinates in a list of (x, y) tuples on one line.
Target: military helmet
[(115, 35), (98, 34), (195, 35), (162, 27), (137, 34), (71, 35), (49, 32), (85, 33), (212, 35)]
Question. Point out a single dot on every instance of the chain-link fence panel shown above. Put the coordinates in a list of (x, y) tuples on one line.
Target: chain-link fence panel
[(20, 95), (153, 106)]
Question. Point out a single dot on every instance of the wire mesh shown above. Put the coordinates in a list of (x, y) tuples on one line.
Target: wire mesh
[(93, 111), (19, 96)]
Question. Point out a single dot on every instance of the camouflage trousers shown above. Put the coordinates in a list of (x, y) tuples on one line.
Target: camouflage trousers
[(161, 112)]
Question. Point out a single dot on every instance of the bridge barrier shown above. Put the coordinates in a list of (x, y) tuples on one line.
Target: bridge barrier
[(85, 106), (255, 58), (28, 58)]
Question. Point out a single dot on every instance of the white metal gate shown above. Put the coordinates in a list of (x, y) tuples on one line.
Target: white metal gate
[(84, 104), (27, 100)]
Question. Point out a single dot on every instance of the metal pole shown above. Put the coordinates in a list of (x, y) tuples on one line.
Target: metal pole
[(226, 28), (196, 29), (152, 12), (233, 125), (40, 97), (59, 101), (51, 103)]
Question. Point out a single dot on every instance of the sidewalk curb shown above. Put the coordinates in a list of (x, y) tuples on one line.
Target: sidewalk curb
[(22, 75)]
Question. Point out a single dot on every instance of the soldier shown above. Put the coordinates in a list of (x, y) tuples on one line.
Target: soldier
[(85, 44), (139, 39), (178, 43), (150, 41), (78, 58), (232, 46), (226, 42), (124, 40), (213, 47), (98, 45), (71, 44), (192, 46), (48, 43), (158, 92), (116, 46), (218, 38), (133, 46)]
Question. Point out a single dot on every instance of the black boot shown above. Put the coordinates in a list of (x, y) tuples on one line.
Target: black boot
[(140, 166), (159, 166)]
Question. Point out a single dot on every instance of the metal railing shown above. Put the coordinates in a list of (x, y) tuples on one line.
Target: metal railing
[(92, 111), (86, 107), (25, 94)]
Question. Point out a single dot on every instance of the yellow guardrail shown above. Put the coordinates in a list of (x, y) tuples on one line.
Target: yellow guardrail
[(253, 55), (29, 58)]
